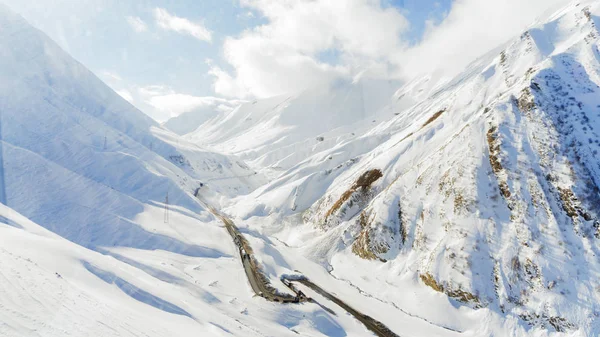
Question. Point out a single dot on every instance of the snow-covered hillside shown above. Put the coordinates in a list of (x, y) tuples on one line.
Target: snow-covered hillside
[(280, 132), (468, 207), (85, 248), (191, 120), (52, 287), (73, 150), (487, 190)]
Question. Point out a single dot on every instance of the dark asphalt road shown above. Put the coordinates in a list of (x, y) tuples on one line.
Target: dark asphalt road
[(262, 286)]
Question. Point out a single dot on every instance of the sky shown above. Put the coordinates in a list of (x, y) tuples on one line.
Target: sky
[(169, 57)]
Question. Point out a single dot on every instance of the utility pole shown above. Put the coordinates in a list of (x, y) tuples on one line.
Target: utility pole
[(105, 141), (167, 208)]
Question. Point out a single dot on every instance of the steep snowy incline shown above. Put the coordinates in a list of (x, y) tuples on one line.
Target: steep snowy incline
[(487, 191), (81, 161)]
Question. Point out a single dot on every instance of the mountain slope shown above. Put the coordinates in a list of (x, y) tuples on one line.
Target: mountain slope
[(89, 244), (486, 191), (192, 119), (72, 149), (282, 131), (471, 210)]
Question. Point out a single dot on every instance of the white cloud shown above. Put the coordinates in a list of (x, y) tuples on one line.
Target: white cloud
[(225, 85), (154, 90), (137, 24), (126, 95), (167, 21), (167, 103), (286, 53), (161, 102), (471, 28)]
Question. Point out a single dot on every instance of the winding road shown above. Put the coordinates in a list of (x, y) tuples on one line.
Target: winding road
[(262, 287)]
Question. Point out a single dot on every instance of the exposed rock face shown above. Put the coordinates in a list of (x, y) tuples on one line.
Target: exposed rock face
[(352, 200)]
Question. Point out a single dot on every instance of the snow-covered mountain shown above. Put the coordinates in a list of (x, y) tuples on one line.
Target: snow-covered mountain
[(282, 131), (63, 130), (89, 245), (85, 248), (192, 119), (486, 190), (467, 207)]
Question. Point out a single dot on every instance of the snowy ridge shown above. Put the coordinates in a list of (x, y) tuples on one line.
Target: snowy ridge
[(488, 190)]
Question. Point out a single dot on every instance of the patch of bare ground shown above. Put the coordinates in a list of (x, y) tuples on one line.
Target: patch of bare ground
[(458, 294), (459, 202), (403, 232), (368, 178), (338, 204), (533, 274), (574, 210), (362, 184), (568, 197), (429, 121), (420, 237), (365, 248), (434, 117)]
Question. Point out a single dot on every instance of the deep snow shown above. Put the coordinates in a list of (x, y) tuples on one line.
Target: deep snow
[(483, 221)]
